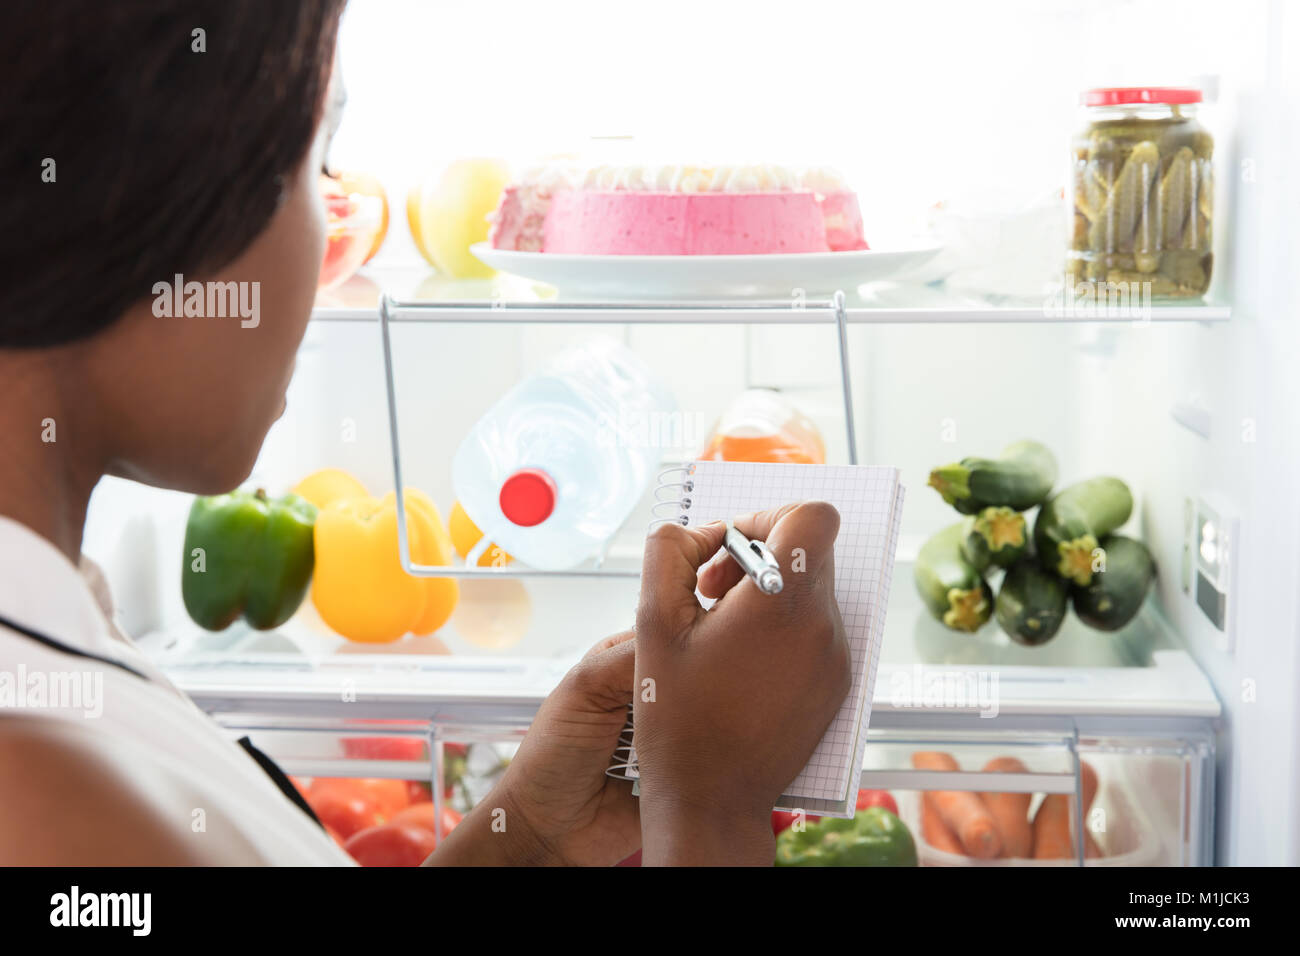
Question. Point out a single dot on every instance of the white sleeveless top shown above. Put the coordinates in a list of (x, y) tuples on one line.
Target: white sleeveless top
[(187, 761)]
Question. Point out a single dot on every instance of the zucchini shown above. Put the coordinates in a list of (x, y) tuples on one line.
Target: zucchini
[(952, 589), (1021, 477), (1117, 591), (1031, 603), (1071, 525), (996, 536)]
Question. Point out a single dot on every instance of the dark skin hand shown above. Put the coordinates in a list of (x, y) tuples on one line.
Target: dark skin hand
[(742, 693), (558, 806)]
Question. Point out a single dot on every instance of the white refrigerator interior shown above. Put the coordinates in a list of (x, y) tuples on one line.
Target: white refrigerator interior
[(1193, 728)]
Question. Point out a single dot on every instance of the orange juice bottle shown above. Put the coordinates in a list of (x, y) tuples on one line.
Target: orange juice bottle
[(760, 425)]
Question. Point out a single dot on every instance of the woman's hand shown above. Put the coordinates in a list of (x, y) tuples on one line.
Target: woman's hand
[(740, 695), (556, 803)]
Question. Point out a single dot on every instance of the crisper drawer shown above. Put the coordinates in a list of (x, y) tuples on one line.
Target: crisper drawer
[(1018, 799), (966, 798)]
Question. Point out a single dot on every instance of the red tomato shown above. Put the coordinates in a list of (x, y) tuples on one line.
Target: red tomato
[(418, 791), (455, 750), (421, 815), (384, 748), (386, 797), (334, 835), (344, 813), (877, 798), (784, 819), (391, 844)]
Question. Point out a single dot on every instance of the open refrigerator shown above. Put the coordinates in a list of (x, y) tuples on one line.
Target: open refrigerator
[(1187, 714)]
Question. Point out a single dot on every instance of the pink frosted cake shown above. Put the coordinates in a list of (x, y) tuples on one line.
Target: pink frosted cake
[(678, 211)]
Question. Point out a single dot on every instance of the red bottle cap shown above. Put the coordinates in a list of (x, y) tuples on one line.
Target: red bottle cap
[(1124, 95), (528, 497)]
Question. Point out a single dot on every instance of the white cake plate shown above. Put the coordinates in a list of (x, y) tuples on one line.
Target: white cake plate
[(768, 276)]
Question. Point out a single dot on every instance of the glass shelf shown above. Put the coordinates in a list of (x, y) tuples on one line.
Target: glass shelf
[(510, 642), (511, 299)]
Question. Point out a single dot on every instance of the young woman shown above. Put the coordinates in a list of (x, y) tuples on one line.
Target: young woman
[(142, 142)]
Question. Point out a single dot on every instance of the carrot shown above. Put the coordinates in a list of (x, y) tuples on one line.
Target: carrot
[(963, 812), (934, 831), (1010, 811), (1052, 828), (1053, 838), (1089, 780)]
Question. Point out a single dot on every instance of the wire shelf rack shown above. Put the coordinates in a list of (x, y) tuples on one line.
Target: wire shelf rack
[(828, 311)]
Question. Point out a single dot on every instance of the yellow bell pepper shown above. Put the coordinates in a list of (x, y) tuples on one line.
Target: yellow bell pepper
[(359, 586), (465, 534), (329, 485)]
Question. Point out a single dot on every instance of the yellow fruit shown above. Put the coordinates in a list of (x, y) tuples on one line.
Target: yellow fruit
[(449, 214), (368, 185), (413, 221), (359, 586), (328, 485), (465, 534)]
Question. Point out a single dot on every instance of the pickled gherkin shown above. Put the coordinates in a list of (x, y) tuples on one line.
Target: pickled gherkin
[(1142, 197), (1177, 197), (1117, 222)]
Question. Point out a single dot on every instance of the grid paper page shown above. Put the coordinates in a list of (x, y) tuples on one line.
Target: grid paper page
[(869, 501), (878, 629)]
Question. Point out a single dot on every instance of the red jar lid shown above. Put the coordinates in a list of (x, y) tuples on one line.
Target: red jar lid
[(1123, 95), (527, 497)]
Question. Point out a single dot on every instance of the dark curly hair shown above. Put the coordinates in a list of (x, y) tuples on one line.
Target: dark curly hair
[(164, 159)]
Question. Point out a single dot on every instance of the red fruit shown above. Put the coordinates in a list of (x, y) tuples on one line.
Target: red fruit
[(385, 797), (391, 844), (418, 791), (877, 798), (339, 207), (344, 813), (422, 815), (784, 819), (384, 748)]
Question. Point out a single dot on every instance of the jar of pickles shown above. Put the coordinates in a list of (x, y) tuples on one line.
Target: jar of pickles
[(1141, 191)]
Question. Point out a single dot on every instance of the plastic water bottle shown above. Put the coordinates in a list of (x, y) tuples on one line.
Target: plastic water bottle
[(555, 467)]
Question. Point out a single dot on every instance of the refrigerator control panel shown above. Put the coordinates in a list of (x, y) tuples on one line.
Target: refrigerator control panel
[(1214, 536)]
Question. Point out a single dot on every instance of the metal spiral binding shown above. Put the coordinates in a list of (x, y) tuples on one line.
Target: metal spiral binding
[(622, 763), (669, 494)]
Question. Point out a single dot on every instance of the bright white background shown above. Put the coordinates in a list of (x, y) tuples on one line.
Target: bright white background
[(915, 102)]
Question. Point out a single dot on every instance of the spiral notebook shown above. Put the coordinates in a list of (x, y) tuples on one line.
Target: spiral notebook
[(870, 502)]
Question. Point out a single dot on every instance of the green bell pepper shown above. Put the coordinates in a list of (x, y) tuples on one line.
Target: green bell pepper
[(247, 555), (873, 837)]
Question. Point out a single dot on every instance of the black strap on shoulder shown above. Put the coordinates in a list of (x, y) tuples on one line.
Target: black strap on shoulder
[(279, 779), (269, 766), (57, 645)]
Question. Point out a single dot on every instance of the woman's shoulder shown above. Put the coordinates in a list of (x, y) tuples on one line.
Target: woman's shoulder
[(72, 796)]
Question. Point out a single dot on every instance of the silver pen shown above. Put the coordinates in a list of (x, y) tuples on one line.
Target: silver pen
[(755, 559)]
